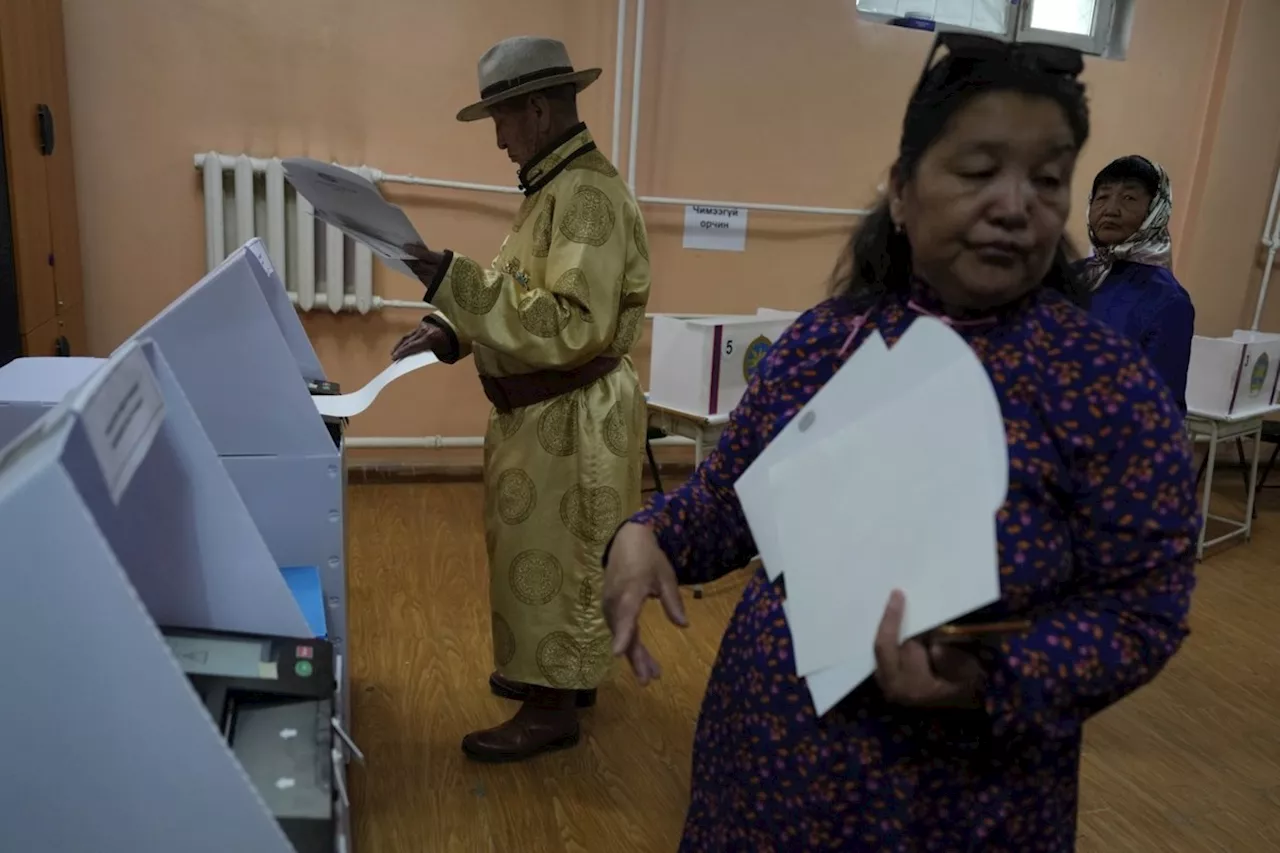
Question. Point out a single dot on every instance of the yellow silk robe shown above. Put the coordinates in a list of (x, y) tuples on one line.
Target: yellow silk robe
[(571, 283)]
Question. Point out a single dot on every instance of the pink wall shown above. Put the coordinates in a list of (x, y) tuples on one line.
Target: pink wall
[(742, 99)]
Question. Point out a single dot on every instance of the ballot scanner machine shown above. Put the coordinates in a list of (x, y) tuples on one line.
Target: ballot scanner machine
[(117, 517)]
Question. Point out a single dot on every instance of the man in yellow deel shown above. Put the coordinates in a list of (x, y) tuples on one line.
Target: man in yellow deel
[(549, 326)]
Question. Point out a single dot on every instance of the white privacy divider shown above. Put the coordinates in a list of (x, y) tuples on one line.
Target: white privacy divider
[(107, 748)]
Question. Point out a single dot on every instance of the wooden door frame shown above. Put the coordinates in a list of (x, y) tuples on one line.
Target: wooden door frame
[(10, 322)]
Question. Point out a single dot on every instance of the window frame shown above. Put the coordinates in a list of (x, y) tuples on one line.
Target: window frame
[(1113, 25), (1098, 43)]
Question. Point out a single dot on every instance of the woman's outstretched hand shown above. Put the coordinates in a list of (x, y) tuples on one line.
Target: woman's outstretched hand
[(921, 672), (637, 570)]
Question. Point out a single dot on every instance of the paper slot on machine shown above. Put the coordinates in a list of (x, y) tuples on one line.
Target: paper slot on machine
[(901, 440)]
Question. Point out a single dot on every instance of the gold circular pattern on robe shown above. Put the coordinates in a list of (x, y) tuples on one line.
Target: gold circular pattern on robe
[(558, 426), (597, 658), (641, 239), (590, 218), (517, 496), (504, 640), (540, 314), (587, 597), (471, 289), (616, 434), (593, 161), (536, 577), (559, 659), (573, 283), (628, 330), (542, 229), (510, 422), (592, 515), (526, 209)]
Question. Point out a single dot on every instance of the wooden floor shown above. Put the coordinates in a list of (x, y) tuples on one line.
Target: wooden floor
[(1191, 763)]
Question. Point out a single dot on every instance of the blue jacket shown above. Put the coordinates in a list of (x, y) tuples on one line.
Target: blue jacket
[(1147, 305)]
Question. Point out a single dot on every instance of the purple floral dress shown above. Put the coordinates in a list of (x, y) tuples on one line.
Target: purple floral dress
[(1096, 547)]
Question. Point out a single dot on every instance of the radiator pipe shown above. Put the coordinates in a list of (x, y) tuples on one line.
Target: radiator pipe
[(1270, 240), (214, 239), (619, 69), (637, 67)]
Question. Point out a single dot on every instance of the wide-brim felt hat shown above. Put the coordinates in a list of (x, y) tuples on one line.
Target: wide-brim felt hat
[(522, 65)]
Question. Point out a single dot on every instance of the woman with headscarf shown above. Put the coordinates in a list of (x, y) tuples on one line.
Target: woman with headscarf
[(946, 748), (1130, 274)]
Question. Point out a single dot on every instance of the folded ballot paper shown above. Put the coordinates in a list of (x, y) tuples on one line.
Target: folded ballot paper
[(350, 405), (888, 479), (351, 203)]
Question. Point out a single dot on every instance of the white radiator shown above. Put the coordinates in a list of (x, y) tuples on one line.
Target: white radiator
[(246, 197)]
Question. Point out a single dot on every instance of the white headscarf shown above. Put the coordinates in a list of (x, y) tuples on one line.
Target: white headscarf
[(1150, 244)]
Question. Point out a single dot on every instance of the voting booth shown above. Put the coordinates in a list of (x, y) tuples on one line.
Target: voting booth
[(134, 572), (1233, 377), (236, 345), (702, 366), (238, 350)]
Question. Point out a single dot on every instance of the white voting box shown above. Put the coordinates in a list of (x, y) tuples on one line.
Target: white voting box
[(1235, 376), (703, 366), (239, 351), (116, 517), (31, 386), (778, 314)]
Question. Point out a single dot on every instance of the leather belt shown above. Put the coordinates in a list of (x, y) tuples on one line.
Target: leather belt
[(508, 393)]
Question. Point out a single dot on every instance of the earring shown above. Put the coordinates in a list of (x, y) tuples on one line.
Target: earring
[(898, 228)]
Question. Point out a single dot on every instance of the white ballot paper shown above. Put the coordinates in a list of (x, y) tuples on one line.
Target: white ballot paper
[(349, 405), (892, 481), (351, 203), (845, 393)]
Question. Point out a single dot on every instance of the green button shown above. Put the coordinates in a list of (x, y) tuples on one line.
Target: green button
[(303, 668)]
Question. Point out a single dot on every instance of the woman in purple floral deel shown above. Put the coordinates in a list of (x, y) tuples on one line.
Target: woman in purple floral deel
[(946, 749)]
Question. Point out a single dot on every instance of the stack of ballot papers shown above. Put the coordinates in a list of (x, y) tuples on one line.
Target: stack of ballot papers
[(350, 202), (890, 478)]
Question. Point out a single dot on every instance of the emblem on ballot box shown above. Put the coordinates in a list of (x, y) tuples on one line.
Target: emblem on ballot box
[(1258, 377), (755, 353)]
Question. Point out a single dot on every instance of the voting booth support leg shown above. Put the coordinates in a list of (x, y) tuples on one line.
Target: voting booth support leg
[(1210, 459), (1214, 432), (1252, 490)]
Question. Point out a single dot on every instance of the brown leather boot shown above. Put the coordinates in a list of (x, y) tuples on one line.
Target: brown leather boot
[(507, 688), (546, 722)]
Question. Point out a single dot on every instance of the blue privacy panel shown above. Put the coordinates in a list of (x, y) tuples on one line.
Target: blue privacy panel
[(304, 583)]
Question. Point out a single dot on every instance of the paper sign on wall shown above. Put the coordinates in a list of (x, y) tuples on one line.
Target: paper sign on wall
[(715, 229)]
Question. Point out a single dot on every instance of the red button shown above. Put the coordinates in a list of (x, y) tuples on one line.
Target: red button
[(304, 652)]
